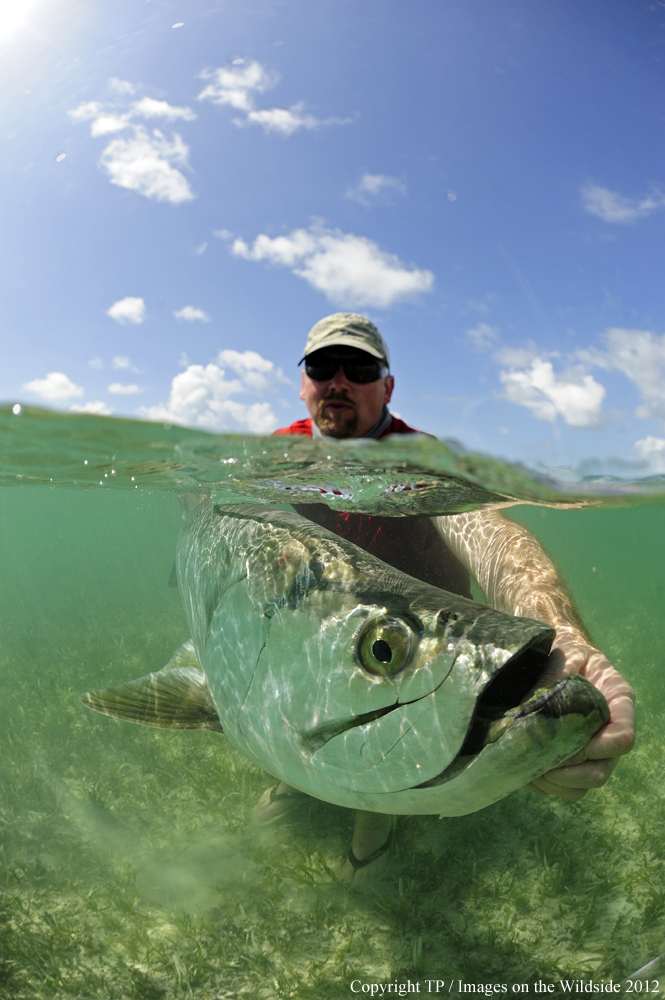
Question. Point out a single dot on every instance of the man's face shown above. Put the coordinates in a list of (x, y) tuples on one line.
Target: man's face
[(340, 408)]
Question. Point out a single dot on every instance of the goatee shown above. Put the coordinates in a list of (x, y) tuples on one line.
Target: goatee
[(340, 426)]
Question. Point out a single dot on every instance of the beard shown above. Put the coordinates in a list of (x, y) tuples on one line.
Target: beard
[(339, 426)]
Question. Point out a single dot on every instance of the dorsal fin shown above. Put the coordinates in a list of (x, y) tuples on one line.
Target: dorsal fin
[(176, 697)]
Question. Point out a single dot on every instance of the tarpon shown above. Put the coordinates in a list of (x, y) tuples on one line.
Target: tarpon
[(350, 680)]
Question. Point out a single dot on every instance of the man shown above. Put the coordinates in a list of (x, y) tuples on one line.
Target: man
[(346, 386)]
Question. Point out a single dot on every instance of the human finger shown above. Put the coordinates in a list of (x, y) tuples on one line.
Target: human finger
[(589, 774), (618, 735), (542, 786)]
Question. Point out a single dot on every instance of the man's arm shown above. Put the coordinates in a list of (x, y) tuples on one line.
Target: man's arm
[(519, 578)]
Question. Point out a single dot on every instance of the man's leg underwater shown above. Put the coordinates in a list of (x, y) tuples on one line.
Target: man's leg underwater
[(372, 834), (369, 857)]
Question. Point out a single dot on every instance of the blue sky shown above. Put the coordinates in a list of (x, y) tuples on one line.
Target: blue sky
[(188, 187)]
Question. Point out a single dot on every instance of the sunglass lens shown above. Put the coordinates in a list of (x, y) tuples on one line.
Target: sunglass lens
[(360, 374), (321, 373)]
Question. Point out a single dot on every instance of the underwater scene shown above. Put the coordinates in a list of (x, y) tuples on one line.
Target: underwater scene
[(131, 863)]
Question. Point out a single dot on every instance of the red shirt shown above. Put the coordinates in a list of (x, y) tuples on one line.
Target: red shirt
[(304, 427), (410, 544)]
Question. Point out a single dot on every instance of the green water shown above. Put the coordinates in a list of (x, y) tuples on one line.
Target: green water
[(129, 863)]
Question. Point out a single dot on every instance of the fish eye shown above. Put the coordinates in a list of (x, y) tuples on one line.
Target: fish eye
[(386, 645)]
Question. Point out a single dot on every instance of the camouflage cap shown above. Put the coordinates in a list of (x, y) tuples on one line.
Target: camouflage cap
[(346, 330)]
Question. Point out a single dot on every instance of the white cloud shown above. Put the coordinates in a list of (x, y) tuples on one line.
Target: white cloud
[(191, 314), (194, 405), (147, 162), (376, 187), (123, 390), (350, 270), (578, 397), (201, 248), (236, 87), (482, 335), (129, 310), (148, 107), (148, 165), (610, 206), (256, 373), (96, 363), (85, 111), (123, 363), (121, 86), (640, 355), (222, 234), (55, 386), (106, 120), (286, 121), (572, 395), (97, 407), (652, 450), (522, 357), (104, 124), (201, 396)]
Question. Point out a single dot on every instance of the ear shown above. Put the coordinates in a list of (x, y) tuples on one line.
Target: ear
[(389, 386)]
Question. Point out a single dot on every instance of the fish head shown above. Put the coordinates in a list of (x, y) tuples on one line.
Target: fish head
[(362, 683), (393, 682)]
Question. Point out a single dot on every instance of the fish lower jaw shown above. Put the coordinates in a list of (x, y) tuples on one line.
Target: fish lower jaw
[(537, 702), (565, 714), (512, 693)]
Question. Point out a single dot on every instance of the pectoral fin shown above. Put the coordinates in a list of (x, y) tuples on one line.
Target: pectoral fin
[(173, 698)]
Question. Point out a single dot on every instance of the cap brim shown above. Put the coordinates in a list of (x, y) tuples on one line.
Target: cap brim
[(342, 341)]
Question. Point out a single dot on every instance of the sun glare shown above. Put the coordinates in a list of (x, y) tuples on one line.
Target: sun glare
[(15, 14)]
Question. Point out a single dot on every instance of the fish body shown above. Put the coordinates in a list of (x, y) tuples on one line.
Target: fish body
[(352, 681)]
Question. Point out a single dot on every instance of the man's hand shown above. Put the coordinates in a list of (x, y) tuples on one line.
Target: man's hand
[(592, 766), (519, 578)]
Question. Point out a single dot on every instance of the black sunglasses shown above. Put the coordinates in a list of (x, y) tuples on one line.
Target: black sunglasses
[(362, 374)]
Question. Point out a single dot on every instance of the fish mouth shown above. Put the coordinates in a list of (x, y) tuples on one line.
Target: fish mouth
[(569, 696), (507, 696), (505, 691)]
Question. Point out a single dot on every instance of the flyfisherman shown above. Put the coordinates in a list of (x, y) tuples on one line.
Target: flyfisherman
[(346, 387)]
